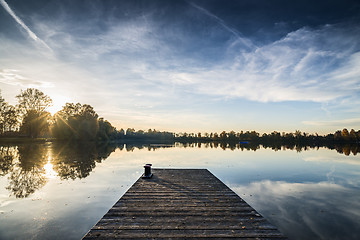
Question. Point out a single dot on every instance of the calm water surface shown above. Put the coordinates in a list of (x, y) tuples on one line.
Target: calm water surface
[(52, 190)]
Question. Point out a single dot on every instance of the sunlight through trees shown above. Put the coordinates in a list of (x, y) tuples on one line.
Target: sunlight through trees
[(76, 121)]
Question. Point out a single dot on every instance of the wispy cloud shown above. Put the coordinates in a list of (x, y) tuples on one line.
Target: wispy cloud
[(351, 160), (341, 122), (150, 72), (295, 68), (13, 77), (23, 25), (220, 21), (150, 65)]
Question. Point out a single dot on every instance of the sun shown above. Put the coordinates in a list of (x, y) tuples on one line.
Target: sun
[(58, 102)]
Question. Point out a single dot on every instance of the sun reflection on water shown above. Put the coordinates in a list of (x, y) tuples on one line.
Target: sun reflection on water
[(49, 170)]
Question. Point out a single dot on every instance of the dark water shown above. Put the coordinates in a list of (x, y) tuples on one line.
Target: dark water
[(53, 190)]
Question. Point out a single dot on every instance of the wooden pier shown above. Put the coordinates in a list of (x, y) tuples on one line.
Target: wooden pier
[(182, 204)]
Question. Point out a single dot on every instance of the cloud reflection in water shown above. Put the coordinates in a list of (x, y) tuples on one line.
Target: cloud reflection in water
[(306, 210)]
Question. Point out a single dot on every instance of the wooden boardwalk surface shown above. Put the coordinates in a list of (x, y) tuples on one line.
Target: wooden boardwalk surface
[(182, 204)]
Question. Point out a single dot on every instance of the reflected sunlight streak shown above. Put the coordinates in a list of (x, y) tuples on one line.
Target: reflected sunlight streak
[(49, 170)]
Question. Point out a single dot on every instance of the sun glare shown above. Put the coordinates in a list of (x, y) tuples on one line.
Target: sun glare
[(58, 102), (49, 171)]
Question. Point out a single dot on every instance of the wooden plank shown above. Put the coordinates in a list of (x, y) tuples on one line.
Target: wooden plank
[(182, 204)]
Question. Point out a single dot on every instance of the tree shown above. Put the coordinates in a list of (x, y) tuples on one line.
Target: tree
[(76, 121), (32, 105), (10, 118), (2, 102), (35, 123), (223, 135), (232, 136), (297, 134), (106, 130), (345, 134), (33, 99), (2, 113), (120, 134), (353, 136), (337, 135), (130, 132)]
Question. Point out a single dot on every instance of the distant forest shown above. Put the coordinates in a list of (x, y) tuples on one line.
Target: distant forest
[(29, 119)]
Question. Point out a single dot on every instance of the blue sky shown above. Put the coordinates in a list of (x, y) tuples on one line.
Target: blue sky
[(190, 65)]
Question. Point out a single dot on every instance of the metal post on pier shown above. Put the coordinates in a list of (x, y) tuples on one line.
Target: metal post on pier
[(147, 173)]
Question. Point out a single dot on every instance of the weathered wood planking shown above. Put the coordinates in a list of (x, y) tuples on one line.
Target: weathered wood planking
[(182, 203)]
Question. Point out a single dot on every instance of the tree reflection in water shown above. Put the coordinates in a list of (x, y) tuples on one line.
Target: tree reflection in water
[(77, 160), (7, 155), (346, 149), (27, 174), (29, 166)]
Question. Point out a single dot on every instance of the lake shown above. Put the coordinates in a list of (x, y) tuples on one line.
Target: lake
[(57, 190)]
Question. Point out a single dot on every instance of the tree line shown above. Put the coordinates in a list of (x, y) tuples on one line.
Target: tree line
[(292, 138), (30, 118), (75, 121)]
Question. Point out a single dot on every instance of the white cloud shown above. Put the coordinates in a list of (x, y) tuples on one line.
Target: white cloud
[(341, 122), (306, 65), (13, 77), (135, 63), (348, 75), (351, 160)]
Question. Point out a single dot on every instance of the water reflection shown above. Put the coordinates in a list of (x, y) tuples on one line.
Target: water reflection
[(311, 195), (49, 169), (7, 155), (23, 165), (77, 160), (30, 166), (343, 149), (130, 147), (322, 210)]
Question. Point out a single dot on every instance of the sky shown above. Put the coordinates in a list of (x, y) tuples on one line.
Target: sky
[(190, 66)]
